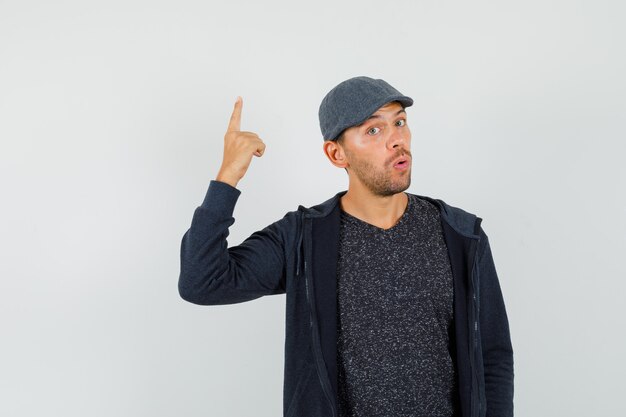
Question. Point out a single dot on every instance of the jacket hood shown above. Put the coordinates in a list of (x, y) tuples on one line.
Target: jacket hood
[(465, 223)]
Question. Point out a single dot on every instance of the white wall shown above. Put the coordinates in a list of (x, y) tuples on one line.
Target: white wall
[(112, 116)]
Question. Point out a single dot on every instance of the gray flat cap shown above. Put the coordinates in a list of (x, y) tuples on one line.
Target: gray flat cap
[(352, 101)]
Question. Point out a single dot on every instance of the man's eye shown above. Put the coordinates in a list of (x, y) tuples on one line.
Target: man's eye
[(403, 122), (374, 128)]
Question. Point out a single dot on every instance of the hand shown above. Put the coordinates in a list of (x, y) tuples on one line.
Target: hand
[(239, 147)]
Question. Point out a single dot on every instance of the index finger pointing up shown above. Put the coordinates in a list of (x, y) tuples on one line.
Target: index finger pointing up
[(235, 118)]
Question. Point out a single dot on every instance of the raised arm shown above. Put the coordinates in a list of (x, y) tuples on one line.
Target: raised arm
[(210, 272)]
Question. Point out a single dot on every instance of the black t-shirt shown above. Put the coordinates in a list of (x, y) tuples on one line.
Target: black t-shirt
[(394, 317)]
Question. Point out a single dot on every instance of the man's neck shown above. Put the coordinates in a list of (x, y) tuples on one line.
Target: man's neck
[(380, 211)]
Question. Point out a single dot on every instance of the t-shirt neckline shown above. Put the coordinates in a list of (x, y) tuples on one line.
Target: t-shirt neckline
[(400, 221)]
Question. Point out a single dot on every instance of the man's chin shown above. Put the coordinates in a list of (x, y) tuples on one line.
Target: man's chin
[(393, 190), (404, 185)]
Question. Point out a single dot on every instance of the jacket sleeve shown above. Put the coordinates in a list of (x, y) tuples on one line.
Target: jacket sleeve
[(495, 337), (211, 273)]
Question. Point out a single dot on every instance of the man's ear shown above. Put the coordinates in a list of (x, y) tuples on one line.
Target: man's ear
[(335, 154)]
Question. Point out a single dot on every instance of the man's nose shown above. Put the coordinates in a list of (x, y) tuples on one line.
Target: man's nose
[(398, 138)]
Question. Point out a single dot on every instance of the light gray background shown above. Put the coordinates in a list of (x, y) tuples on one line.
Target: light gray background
[(112, 122)]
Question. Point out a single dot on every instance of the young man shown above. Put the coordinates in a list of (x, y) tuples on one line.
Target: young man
[(393, 305)]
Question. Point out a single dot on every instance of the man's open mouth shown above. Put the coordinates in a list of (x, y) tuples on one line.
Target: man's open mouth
[(401, 162)]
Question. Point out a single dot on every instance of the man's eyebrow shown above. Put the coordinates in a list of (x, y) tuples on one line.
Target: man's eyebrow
[(376, 116)]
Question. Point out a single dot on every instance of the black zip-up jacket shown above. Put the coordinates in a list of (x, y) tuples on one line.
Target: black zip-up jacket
[(297, 256)]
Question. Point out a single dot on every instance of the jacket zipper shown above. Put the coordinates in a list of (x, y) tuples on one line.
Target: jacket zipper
[(316, 353), (475, 315)]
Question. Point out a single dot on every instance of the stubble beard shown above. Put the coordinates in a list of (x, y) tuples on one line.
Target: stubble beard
[(379, 181)]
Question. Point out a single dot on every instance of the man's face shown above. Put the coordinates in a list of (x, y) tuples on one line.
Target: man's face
[(373, 148)]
